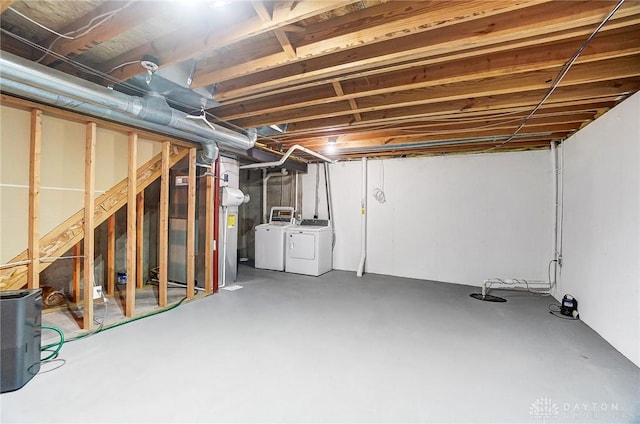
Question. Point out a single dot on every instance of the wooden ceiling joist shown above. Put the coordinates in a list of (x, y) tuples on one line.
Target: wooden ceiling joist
[(188, 42), (604, 48), (366, 72), (484, 36)]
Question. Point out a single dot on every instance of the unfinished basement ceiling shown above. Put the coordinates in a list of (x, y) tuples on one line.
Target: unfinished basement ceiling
[(380, 78)]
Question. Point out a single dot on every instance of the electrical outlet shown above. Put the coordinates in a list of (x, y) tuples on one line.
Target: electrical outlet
[(97, 292)]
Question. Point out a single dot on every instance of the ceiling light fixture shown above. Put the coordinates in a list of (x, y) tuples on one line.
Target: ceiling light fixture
[(332, 139)]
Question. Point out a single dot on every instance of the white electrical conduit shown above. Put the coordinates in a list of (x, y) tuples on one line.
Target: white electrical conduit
[(295, 210), (265, 180), (284, 158), (554, 199), (327, 181), (225, 214), (363, 219)]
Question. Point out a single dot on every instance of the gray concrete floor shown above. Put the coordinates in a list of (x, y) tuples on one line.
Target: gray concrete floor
[(337, 348)]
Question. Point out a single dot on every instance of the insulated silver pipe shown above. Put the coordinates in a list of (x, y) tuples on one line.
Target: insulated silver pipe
[(81, 95)]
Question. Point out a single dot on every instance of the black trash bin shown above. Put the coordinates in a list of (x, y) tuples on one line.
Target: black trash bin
[(20, 333)]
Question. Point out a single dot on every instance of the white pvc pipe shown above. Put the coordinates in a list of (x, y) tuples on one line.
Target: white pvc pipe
[(363, 220), (554, 199), (225, 213), (295, 210), (265, 180), (284, 158)]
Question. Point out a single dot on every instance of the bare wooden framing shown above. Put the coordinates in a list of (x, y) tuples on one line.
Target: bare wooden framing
[(163, 237), (75, 276), (111, 255), (208, 238), (33, 278), (140, 240), (71, 231), (89, 207), (191, 225), (130, 304)]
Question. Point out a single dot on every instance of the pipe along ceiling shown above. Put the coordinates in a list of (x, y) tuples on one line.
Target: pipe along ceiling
[(42, 84)]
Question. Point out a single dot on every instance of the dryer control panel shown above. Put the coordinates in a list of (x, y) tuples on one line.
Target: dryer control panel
[(315, 222)]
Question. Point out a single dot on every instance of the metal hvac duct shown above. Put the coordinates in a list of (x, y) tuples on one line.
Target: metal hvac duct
[(37, 82)]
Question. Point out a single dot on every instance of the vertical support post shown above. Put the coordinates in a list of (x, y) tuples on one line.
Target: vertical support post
[(111, 255), (89, 189), (77, 251), (33, 273), (209, 236), (216, 224), (191, 225), (163, 237), (130, 303), (140, 240)]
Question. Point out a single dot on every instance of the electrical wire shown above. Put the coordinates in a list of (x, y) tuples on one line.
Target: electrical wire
[(378, 192), (39, 24), (555, 313), (110, 79), (90, 26), (563, 72)]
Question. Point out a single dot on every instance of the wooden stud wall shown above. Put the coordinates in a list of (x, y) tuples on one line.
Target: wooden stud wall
[(89, 207), (140, 240), (33, 278), (96, 211), (111, 255), (163, 239), (208, 238), (130, 305), (191, 225), (75, 279)]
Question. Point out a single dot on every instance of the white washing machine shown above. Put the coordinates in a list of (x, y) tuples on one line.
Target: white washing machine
[(309, 249), (270, 239)]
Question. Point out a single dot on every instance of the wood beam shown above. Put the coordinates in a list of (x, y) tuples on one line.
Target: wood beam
[(190, 41), (35, 150), (420, 129), (71, 231), (132, 190), (5, 4), (584, 94), (209, 239), (126, 15), (371, 26), (191, 224), (337, 87), (75, 276), (606, 46), (284, 41), (111, 255), (140, 240), (581, 74), (89, 208), (261, 11), (489, 34), (163, 237)]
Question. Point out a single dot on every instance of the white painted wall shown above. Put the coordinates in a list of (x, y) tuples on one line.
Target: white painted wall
[(601, 240), (459, 219)]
